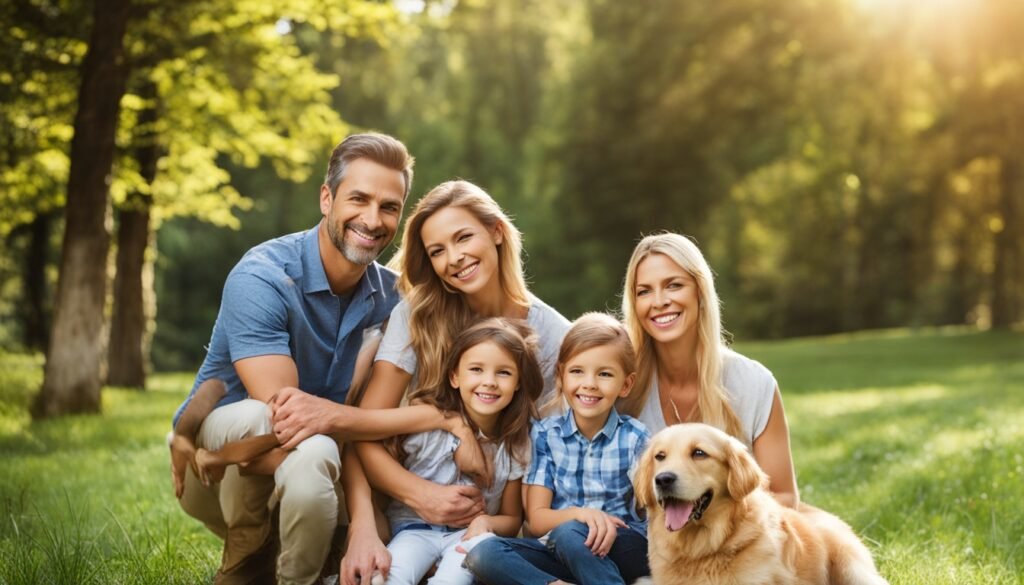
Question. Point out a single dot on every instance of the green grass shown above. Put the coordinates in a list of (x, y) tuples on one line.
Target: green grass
[(916, 439), (87, 499)]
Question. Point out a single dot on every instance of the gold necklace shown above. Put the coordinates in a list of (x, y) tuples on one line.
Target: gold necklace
[(674, 409)]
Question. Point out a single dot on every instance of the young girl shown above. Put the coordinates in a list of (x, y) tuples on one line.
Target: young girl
[(492, 381), (579, 494)]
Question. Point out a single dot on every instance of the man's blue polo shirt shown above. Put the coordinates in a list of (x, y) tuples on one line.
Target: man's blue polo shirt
[(277, 301)]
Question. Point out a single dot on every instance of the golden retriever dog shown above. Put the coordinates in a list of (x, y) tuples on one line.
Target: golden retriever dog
[(713, 522)]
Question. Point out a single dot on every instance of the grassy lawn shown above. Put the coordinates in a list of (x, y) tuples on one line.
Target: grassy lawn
[(916, 439)]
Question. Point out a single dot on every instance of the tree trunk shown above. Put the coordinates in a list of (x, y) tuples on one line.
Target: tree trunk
[(133, 285), (127, 352), (36, 333), (1004, 281), (71, 379)]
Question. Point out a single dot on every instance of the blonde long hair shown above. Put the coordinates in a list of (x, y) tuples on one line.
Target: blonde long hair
[(438, 314), (712, 399)]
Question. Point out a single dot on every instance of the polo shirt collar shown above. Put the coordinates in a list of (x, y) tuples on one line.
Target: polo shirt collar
[(315, 277)]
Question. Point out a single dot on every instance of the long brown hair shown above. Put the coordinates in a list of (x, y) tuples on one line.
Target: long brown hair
[(436, 314), (712, 401), (517, 339)]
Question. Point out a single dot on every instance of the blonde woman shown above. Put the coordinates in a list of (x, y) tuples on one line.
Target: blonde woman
[(685, 370), (459, 261)]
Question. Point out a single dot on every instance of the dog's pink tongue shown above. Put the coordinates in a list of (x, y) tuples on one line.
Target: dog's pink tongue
[(677, 514)]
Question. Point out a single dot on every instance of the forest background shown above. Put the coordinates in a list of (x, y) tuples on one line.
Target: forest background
[(845, 164)]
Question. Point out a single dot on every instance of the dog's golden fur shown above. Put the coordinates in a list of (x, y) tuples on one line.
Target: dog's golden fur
[(744, 535)]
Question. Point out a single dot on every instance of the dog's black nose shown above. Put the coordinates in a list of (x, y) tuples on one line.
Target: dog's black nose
[(665, 479)]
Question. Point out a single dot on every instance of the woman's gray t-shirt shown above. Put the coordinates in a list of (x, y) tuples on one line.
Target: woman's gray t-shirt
[(548, 323), (750, 387)]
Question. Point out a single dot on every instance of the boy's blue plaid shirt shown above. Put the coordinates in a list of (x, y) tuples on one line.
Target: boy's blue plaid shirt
[(589, 474)]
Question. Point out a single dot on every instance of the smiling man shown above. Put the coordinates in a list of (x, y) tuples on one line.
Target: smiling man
[(290, 327)]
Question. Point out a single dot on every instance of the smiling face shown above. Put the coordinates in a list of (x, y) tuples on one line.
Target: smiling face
[(487, 380), (462, 250), (687, 467), (592, 380), (666, 299), (362, 214)]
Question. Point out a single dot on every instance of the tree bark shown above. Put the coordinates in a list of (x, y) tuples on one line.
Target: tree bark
[(133, 285), (71, 379), (36, 334), (127, 350)]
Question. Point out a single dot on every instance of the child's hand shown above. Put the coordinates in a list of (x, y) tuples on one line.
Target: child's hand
[(603, 528), (208, 467), (480, 525), (183, 453), (470, 458), (470, 540)]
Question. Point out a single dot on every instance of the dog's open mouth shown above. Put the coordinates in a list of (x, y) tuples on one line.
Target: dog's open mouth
[(679, 512)]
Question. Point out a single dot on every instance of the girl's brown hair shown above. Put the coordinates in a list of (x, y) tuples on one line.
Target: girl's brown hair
[(517, 339)]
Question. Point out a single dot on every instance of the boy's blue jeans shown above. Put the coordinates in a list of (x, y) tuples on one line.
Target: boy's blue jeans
[(527, 561)]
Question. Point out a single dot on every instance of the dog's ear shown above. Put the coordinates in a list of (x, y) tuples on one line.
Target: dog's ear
[(744, 474), (643, 479)]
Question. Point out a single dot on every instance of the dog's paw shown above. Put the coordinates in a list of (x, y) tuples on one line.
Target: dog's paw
[(644, 581)]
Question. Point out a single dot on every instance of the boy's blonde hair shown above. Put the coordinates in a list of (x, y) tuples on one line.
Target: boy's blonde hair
[(588, 331)]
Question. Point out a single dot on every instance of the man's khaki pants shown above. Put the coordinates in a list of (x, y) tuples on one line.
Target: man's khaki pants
[(238, 508)]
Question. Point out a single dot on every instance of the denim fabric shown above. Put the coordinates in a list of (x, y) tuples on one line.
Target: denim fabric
[(527, 561)]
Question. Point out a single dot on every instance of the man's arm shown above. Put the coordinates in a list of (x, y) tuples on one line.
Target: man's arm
[(265, 376), (297, 415)]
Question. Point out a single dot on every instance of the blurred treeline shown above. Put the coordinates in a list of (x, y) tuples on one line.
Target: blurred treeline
[(845, 164)]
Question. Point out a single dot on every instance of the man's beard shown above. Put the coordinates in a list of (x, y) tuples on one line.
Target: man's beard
[(352, 253)]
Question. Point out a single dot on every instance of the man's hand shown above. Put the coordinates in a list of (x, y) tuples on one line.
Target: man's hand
[(365, 556), (449, 505), (469, 457), (298, 415), (603, 529), (183, 453)]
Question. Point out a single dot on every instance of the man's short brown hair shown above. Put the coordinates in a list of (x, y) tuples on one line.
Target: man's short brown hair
[(380, 148)]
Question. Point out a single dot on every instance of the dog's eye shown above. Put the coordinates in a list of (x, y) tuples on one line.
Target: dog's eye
[(659, 456), (698, 454)]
